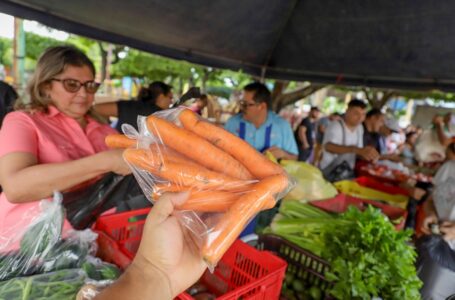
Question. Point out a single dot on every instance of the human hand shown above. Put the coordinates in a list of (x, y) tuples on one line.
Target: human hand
[(165, 249), (368, 153), (438, 120), (431, 219), (114, 162), (448, 230), (278, 153)]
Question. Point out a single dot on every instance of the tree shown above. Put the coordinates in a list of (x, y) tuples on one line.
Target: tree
[(378, 98), (281, 98)]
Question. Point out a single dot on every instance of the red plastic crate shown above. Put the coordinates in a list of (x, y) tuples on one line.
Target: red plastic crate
[(243, 272), (372, 183), (341, 202)]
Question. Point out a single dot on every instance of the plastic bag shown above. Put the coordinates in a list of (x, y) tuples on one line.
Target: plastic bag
[(59, 285), (428, 148), (229, 182), (444, 200), (84, 204), (39, 247), (311, 185)]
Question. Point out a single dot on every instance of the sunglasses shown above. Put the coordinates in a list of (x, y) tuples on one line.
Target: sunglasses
[(73, 85), (245, 104)]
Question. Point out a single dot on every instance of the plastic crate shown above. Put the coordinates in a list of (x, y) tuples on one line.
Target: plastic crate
[(243, 272), (354, 189), (341, 202), (302, 264), (372, 183)]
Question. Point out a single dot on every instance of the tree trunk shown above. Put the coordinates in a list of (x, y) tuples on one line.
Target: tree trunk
[(103, 54), (282, 100)]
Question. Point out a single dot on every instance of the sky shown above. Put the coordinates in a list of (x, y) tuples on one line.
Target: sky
[(7, 28)]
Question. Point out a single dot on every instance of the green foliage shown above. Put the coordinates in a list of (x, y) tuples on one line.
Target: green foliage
[(6, 52)]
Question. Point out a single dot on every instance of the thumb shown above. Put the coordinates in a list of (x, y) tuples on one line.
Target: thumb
[(164, 207)]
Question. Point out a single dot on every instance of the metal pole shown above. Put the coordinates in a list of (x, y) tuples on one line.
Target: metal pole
[(19, 53)]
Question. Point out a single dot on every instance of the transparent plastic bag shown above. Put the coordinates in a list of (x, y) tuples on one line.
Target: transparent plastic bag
[(59, 285), (228, 180), (38, 246)]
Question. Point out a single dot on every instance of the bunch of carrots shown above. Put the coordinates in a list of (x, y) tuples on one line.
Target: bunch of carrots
[(222, 172)]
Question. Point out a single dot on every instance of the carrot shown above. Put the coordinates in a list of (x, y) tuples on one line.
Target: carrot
[(232, 223), (168, 153), (196, 148), (119, 141), (207, 201), (256, 163), (179, 173)]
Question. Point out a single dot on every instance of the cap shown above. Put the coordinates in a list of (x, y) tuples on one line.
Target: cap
[(392, 124)]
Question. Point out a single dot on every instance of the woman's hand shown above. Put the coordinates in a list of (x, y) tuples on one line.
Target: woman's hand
[(114, 162)]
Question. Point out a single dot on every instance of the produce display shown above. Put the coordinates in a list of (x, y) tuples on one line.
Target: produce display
[(228, 180), (367, 256)]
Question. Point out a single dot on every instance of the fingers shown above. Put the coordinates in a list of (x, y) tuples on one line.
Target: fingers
[(164, 207)]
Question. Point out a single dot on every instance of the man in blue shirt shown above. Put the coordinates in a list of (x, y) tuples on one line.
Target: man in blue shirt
[(260, 127)]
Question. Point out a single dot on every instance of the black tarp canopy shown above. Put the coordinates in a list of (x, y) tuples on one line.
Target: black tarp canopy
[(396, 44)]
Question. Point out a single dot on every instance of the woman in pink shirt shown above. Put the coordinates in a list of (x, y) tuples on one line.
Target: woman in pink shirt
[(53, 141)]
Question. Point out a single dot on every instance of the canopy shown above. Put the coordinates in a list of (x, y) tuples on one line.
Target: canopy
[(397, 44)]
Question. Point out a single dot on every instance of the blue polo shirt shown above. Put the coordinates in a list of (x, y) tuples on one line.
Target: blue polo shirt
[(274, 132)]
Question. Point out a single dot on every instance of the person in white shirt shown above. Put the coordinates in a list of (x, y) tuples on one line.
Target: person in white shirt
[(343, 139)]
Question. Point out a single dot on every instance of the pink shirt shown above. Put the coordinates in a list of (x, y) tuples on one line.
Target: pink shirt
[(52, 138)]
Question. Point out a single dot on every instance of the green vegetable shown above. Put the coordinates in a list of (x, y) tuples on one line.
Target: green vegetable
[(315, 293), (368, 257), (60, 285), (109, 272), (298, 286), (91, 271)]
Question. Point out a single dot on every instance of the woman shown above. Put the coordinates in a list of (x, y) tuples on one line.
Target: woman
[(156, 97), (53, 142)]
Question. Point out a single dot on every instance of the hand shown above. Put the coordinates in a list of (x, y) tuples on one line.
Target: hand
[(165, 249), (448, 230), (277, 152), (431, 219), (417, 193), (438, 120), (368, 153), (115, 162)]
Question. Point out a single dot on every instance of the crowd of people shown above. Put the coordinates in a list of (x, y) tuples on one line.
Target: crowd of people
[(54, 141)]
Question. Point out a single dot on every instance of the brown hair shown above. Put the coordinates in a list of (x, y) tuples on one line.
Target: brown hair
[(50, 64)]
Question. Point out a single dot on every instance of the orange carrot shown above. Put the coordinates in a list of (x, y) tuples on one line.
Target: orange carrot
[(236, 218), (197, 148), (179, 173), (207, 201), (119, 141), (170, 154), (258, 165)]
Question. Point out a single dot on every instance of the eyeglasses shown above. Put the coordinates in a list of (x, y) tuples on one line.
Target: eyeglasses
[(245, 104), (73, 85)]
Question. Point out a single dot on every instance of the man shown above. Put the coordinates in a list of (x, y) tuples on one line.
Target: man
[(260, 127), (343, 140), (444, 128), (265, 131), (371, 126), (321, 127), (305, 134)]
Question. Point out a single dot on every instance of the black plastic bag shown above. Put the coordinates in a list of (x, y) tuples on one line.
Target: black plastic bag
[(85, 205), (437, 249)]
